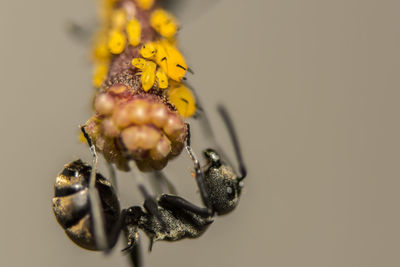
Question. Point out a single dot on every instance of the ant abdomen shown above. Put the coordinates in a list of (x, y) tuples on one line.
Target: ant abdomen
[(71, 203)]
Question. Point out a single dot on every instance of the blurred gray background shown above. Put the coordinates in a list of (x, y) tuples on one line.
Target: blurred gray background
[(313, 87)]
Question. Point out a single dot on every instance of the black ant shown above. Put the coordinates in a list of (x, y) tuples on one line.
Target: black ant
[(86, 202)]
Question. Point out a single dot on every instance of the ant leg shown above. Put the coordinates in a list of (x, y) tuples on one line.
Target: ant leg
[(151, 243), (235, 141), (151, 206), (133, 249), (156, 184), (163, 183), (190, 70), (176, 202), (95, 202), (199, 173), (135, 255), (105, 243), (170, 186), (114, 235), (149, 203), (112, 176)]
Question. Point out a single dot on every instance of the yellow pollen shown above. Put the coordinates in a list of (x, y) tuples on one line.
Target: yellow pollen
[(162, 79), (145, 4), (139, 62), (134, 31), (183, 100), (148, 75), (118, 19), (100, 50), (171, 60), (99, 74), (148, 50), (164, 23), (116, 42)]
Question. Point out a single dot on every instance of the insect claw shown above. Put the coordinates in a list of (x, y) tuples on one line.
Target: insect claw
[(128, 249)]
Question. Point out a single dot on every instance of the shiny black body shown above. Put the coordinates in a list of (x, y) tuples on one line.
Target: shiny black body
[(175, 218), (168, 217), (178, 223), (222, 183), (71, 203)]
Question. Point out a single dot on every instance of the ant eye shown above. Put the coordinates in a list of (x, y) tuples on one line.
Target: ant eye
[(230, 192)]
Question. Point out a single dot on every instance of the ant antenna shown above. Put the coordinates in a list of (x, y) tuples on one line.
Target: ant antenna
[(95, 202), (207, 129), (112, 174), (235, 142)]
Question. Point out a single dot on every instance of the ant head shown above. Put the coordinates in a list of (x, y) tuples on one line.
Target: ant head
[(223, 184)]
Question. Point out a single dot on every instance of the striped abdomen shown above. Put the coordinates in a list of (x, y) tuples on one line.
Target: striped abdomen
[(71, 203)]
